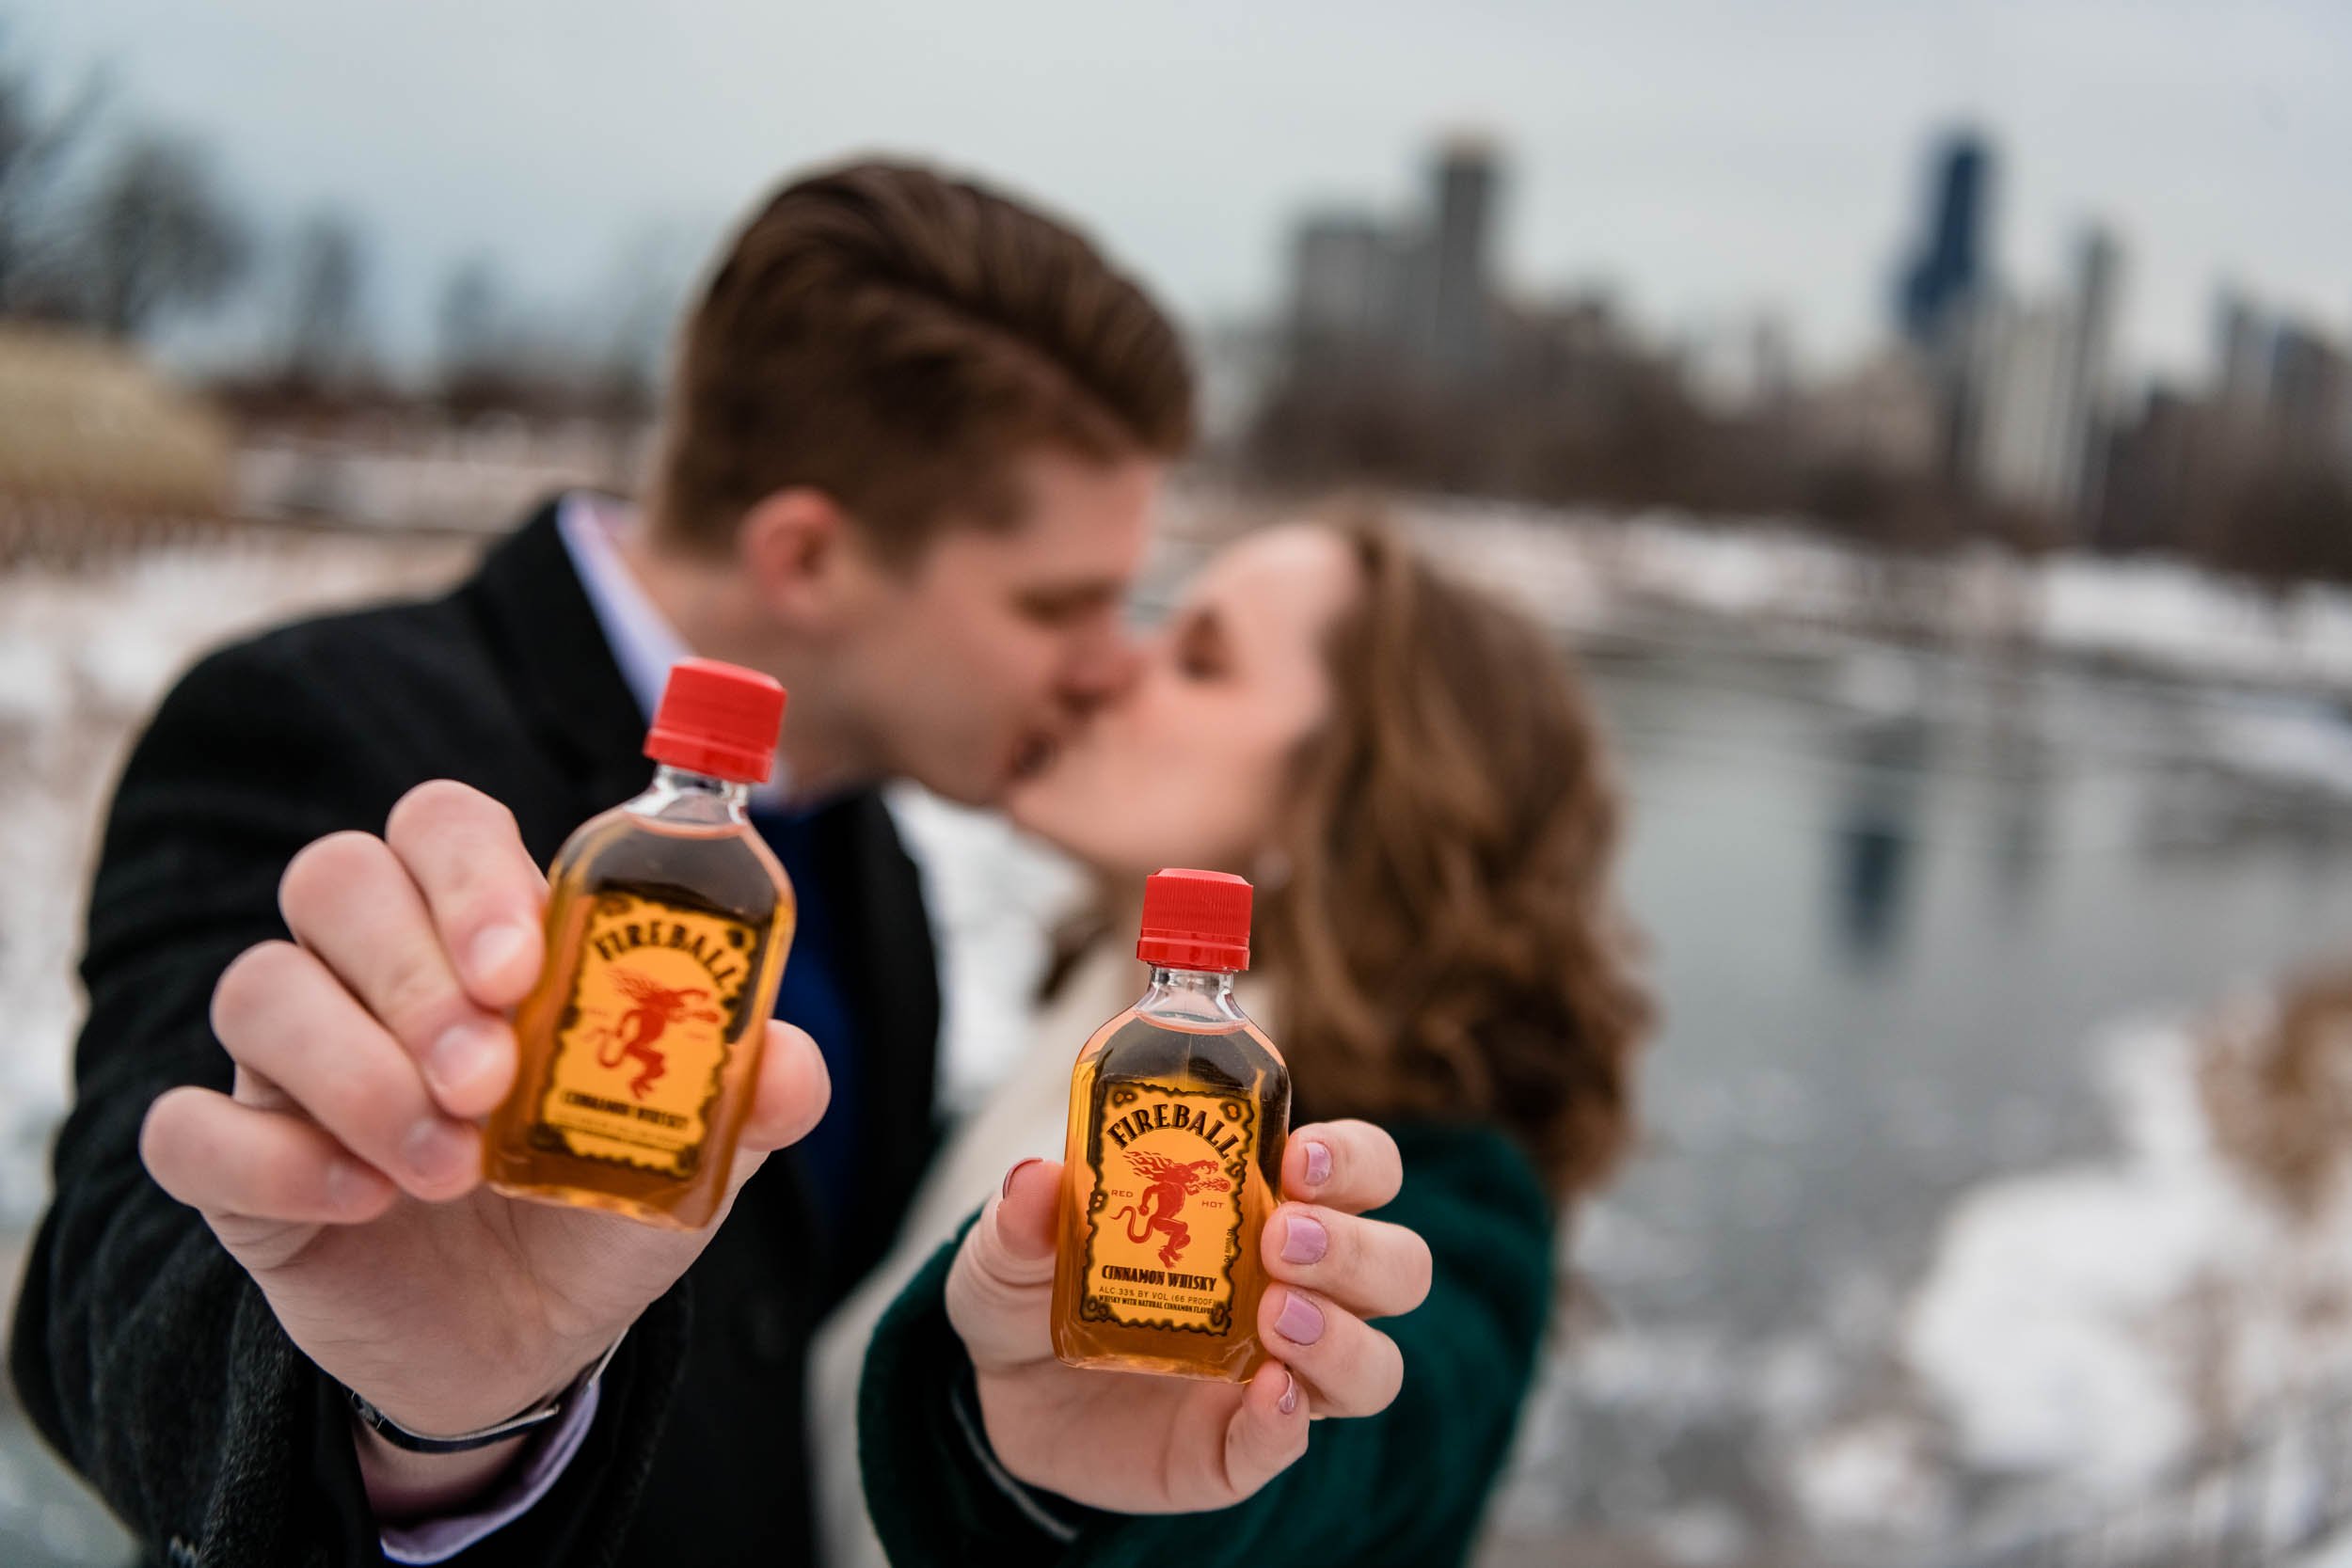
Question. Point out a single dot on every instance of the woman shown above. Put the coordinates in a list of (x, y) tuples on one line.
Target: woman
[(1412, 776)]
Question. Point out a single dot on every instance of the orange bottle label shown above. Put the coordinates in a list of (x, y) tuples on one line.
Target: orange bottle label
[(1164, 1227), (641, 1044)]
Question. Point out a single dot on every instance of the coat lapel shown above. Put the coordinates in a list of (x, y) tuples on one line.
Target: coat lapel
[(541, 627)]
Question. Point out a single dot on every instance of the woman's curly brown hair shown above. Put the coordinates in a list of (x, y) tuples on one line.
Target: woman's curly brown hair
[(1448, 941)]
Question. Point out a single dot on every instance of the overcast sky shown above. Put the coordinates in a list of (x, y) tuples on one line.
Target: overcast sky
[(1703, 160)]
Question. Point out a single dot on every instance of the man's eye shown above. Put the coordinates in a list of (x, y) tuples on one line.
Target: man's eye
[(1061, 610)]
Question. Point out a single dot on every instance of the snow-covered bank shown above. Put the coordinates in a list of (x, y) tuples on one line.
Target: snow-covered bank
[(2096, 1343), (83, 657), (1587, 571)]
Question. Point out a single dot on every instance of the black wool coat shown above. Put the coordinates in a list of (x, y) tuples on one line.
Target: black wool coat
[(148, 1356)]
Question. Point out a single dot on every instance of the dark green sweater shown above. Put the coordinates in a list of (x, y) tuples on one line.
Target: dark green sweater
[(1404, 1487)]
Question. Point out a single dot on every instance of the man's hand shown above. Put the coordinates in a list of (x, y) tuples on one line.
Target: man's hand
[(1137, 1443), (343, 1171)]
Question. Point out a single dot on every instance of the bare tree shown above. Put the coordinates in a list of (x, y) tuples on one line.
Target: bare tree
[(326, 331), (625, 339), (37, 139), (472, 322), (157, 238)]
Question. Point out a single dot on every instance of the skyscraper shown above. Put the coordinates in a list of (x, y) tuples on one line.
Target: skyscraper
[(1350, 278), (2098, 277), (2310, 403), (1415, 297), (2241, 356), (1950, 265), (2037, 382), (1458, 257)]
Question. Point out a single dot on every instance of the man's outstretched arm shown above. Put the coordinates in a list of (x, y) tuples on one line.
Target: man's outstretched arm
[(191, 1319)]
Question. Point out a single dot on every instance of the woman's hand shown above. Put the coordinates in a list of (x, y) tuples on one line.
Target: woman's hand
[(1137, 1443)]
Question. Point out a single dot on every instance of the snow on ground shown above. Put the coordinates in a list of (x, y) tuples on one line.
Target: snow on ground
[(2162, 613), (2117, 1332), (84, 654), (2047, 1325), (2106, 1324)]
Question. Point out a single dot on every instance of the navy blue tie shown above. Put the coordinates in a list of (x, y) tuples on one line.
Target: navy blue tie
[(815, 996)]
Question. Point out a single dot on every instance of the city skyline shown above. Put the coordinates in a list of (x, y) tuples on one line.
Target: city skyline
[(1699, 163)]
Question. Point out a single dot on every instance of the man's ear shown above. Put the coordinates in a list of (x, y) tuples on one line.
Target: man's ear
[(797, 549)]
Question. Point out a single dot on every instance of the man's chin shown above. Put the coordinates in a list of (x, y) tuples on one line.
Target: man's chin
[(978, 794), (992, 788)]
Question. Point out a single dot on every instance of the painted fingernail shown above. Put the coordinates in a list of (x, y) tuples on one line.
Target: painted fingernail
[(1301, 1321), (1304, 1241), (464, 1053), (1289, 1401), (1016, 1171), (1318, 1164), (437, 1151), (494, 947)]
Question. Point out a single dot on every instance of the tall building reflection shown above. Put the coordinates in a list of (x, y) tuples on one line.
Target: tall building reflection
[(1874, 842)]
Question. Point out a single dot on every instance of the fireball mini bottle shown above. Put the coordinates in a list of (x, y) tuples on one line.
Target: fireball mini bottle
[(667, 924), (1178, 1110)]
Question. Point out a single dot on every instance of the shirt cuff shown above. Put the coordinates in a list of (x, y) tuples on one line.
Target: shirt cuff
[(438, 1540)]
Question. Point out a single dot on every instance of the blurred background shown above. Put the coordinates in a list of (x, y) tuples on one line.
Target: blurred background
[(1929, 427)]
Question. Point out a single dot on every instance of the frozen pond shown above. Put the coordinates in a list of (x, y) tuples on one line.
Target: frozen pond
[(1900, 904)]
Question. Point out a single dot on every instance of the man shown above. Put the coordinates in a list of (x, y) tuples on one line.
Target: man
[(272, 1315), (909, 461)]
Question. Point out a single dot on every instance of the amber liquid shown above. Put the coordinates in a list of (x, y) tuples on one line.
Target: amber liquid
[(718, 869), (1188, 1056)]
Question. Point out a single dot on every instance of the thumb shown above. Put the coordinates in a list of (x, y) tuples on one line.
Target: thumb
[(787, 1102), (792, 1092), (1268, 1434), (1000, 1290), (1025, 1218)]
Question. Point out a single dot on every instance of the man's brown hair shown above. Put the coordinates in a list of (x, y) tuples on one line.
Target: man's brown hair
[(893, 338)]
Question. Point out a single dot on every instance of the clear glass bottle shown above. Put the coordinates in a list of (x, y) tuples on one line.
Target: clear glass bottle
[(1179, 1108), (667, 924)]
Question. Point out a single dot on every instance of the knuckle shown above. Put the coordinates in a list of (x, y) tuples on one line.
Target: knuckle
[(414, 993), (438, 805), (1385, 1374), (175, 1149), (1364, 1378), (252, 979), (423, 806), (159, 1135), (1418, 1270), (322, 872), (356, 1094), (1372, 1160), (1346, 1257)]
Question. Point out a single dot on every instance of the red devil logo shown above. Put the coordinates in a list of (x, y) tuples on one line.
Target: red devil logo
[(657, 1008), (1168, 1184)]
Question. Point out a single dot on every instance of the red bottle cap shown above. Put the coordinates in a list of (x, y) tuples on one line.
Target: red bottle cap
[(1195, 920), (718, 718)]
